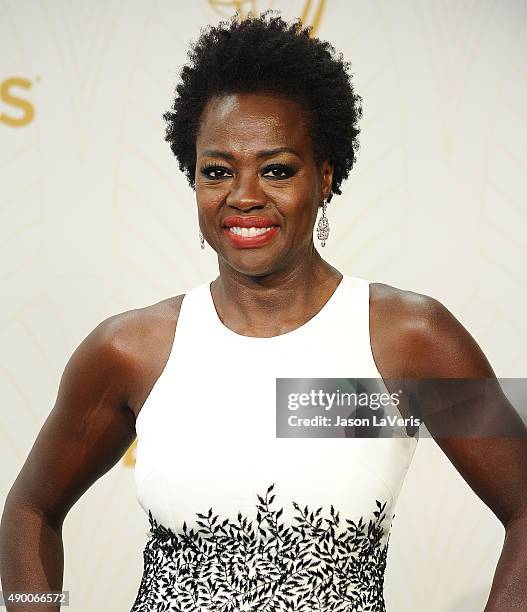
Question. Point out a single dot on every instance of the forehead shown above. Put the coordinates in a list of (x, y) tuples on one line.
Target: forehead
[(252, 121)]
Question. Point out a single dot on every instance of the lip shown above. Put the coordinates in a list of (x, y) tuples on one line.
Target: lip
[(246, 242), (239, 221)]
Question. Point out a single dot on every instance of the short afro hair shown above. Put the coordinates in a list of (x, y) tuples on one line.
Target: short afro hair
[(264, 53)]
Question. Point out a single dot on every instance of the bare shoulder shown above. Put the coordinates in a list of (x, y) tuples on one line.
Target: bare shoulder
[(143, 338), (415, 335)]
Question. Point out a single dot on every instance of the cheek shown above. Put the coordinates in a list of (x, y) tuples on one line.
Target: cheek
[(305, 211), (209, 201)]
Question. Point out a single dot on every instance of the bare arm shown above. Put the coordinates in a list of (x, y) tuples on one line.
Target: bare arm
[(494, 467), (87, 431)]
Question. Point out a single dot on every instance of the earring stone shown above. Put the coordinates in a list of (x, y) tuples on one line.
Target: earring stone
[(323, 226)]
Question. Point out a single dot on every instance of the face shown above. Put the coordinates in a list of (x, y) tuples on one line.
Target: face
[(255, 166)]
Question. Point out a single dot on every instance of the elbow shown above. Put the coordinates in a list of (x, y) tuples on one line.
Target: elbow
[(517, 521), (19, 508)]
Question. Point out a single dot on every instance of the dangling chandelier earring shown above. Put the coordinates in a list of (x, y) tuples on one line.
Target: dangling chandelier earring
[(201, 239), (323, 224)]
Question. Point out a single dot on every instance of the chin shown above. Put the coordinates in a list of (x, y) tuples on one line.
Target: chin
[(253, 268)]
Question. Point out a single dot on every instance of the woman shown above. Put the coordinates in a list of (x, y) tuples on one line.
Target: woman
[(264, 125)]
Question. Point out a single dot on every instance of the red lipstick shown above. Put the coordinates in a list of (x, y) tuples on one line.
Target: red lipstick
[(241, 241), (244, 221)]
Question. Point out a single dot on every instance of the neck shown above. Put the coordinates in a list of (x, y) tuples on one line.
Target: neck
[(275, 303)]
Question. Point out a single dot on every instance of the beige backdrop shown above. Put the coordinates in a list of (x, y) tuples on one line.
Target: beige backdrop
[(95, 219)]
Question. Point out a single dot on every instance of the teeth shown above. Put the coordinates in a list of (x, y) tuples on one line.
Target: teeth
[(249, 231)]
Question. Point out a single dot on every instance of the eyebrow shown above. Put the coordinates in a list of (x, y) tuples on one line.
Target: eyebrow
[(265, 153)]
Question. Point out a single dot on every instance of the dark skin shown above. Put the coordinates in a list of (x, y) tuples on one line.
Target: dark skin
[(287, 275), (263, 291)]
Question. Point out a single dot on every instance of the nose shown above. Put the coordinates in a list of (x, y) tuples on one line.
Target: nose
[(246, 193)]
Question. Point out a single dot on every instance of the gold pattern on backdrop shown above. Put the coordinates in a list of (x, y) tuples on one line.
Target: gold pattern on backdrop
[(20, 112), (129, 456), (311, 10)]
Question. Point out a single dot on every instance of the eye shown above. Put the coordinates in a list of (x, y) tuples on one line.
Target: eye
[(280, 171), (285, 171), (207, 170)]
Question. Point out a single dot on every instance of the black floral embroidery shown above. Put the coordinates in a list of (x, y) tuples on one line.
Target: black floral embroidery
[(228, 566)]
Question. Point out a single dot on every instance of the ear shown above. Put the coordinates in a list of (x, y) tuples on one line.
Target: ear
[(327, 180)]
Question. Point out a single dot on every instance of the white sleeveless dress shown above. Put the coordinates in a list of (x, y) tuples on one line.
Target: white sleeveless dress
[(240, 519)]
